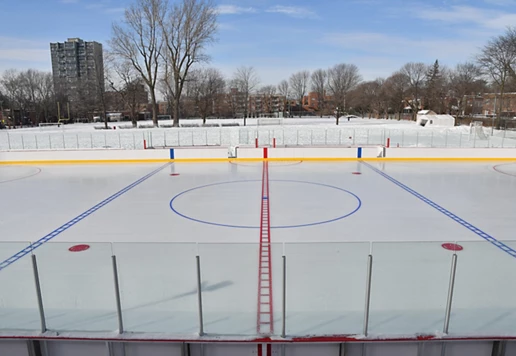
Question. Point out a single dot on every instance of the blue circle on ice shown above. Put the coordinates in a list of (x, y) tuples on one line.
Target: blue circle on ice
[(352, 206)]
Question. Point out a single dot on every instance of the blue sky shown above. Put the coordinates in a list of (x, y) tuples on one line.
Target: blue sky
[(280, 37)]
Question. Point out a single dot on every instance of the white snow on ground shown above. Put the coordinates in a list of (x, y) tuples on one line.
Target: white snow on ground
[(293, 132)]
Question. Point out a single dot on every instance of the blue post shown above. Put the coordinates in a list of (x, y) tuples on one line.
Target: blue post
[(359, 153), (171, 153)]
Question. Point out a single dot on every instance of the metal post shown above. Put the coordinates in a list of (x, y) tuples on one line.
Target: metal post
[(117, 295), (311, 137), (417, 139), (446, 139), (164, 138), (326, 136), (38, 293), (193, 144), (220, 137), (9, 140), (105, 140), (22, 142), (284, 302), (206, 132), (119, 141), (64, 145), (297, 137), (368, 293), (367, 137), (450, 294), (199, 295), (77, 140), (474, 140), (36, 139), (342, 349)]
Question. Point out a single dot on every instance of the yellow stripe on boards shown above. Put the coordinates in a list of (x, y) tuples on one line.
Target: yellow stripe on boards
[(286, 159)]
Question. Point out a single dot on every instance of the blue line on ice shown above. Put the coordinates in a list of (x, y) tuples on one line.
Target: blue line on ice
[(448, 213), (75, 220)]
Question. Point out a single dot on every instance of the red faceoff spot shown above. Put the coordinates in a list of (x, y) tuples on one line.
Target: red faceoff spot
[(452, 247), (357, 173), (174, 174), (79, 248)]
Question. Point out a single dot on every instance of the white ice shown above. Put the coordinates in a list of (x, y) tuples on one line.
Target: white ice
[(326, 263)]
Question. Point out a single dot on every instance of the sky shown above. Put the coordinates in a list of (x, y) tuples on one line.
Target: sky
[(279, 37)]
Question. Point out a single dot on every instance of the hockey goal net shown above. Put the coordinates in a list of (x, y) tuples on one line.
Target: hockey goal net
[(476, 130)]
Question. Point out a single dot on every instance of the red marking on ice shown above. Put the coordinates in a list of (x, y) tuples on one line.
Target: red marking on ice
[(452, 247), (174, 174), (79, 248), (357, 173)]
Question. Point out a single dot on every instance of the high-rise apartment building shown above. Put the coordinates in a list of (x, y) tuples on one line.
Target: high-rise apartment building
[(77, 68)]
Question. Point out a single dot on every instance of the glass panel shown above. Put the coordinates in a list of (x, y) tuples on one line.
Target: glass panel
[(409, 287), (325, 288), (19, 305), (77, 287), (230, 288), (484, 293), (158, 287)]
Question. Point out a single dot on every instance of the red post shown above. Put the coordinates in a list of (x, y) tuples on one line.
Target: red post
[(256, 142), (274, 142), (144, 144), (265, 152), (388, 142)]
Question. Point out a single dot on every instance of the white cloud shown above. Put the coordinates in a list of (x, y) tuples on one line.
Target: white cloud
[(114, 10), (379, 44), (21, 53), (493, 19), (234, 10), (293, 11), (501, 2)]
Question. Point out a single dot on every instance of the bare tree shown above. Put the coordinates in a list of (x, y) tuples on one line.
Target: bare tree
[(284, 90), (341, 79), (12, 84), (299, 82), (396, 87), (246, 81), (416, 74), (187, 29), (129, 86), (138, 40), (208, 85), (466, 79), (498, 60), (268, 92), (319, 86)]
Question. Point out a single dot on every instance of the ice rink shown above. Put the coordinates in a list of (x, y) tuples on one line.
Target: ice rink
[(325, 217)]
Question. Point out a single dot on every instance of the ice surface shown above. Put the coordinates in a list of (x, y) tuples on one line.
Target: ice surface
[(326, 263)]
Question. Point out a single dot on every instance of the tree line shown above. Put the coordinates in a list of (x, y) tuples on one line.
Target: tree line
[(162, 46)]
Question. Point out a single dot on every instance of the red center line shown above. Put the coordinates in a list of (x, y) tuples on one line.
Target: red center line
[(265, 318)]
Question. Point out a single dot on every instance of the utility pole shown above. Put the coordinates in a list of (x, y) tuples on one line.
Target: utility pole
[(58, 112)]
